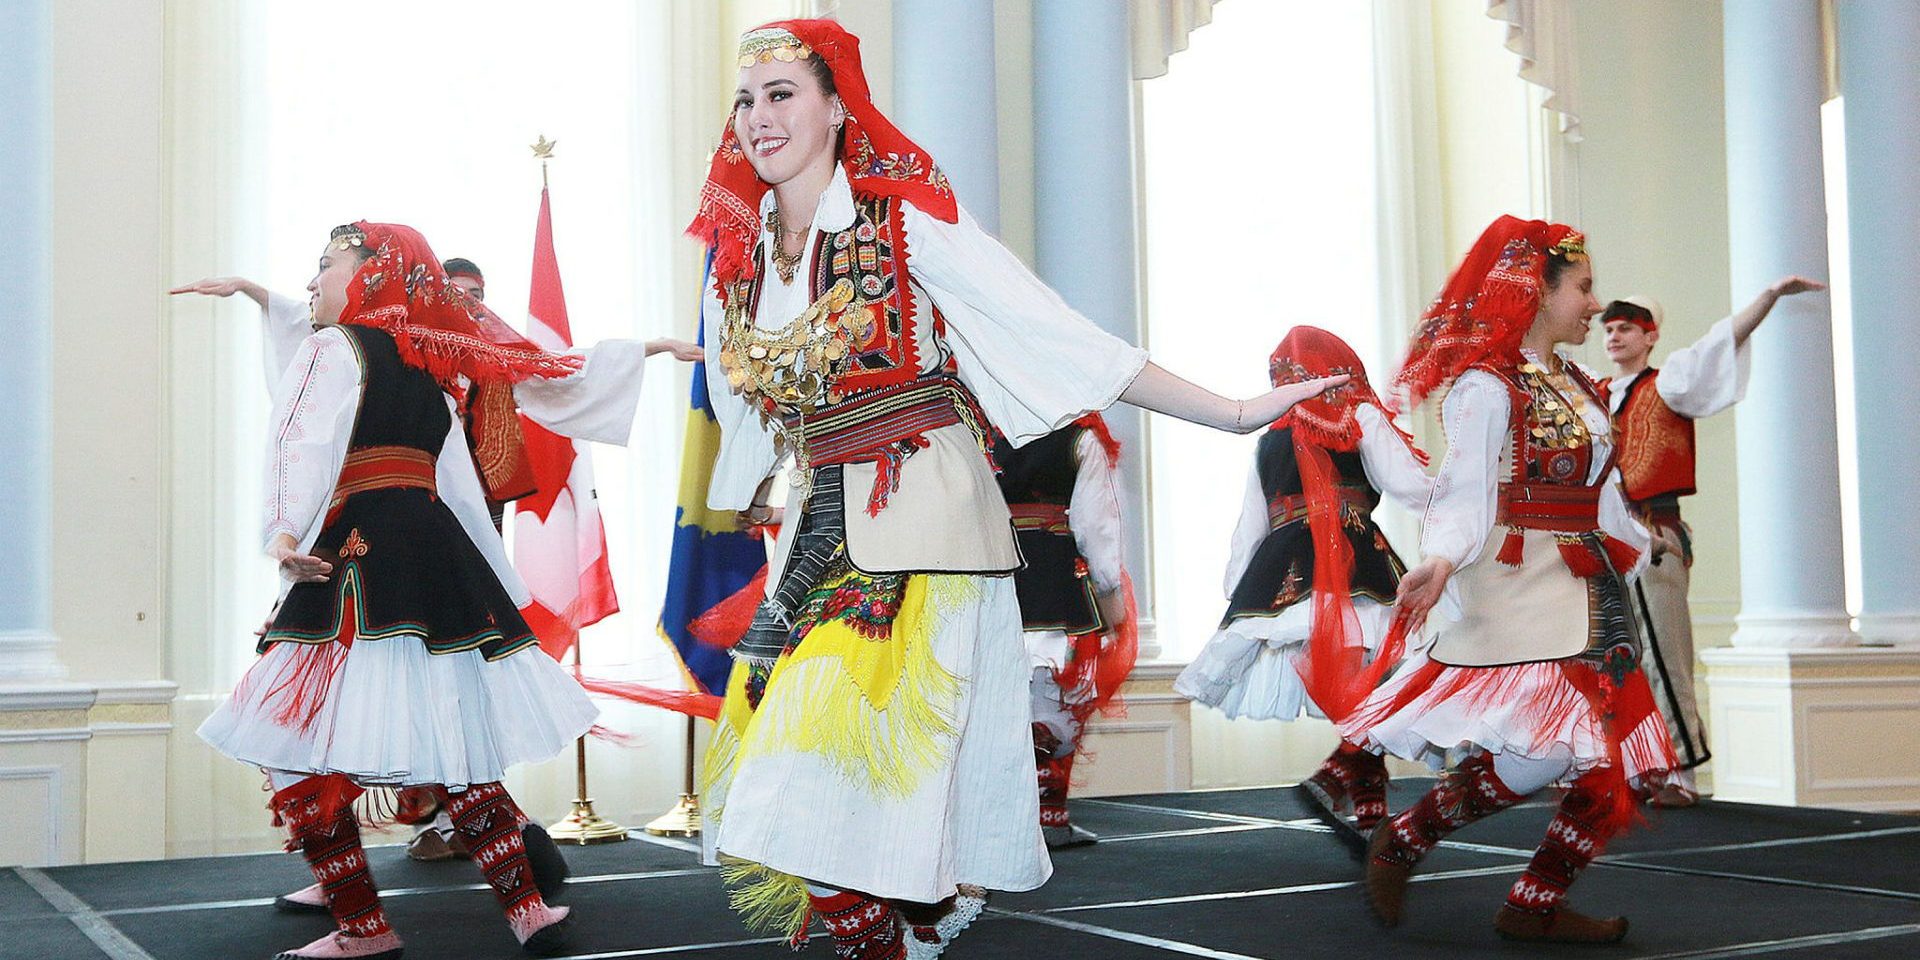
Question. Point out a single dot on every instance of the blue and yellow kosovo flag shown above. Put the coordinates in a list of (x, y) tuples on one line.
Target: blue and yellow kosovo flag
[(712, 558)]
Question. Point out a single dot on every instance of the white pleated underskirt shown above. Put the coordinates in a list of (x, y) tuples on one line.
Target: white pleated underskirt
[(1431, 725), (975, 819), (398, 715), (1246, 669), (1049, 648)]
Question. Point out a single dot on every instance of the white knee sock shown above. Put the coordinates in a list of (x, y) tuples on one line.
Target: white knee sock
[(1527, 775)]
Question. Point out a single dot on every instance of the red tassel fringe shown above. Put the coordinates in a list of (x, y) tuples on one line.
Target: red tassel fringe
[(1513, 548), (704, 705), (1105, 660), (306, 686), (886, 479), (1622, 557), (722, 626), (1334, 667), (1581, 559)]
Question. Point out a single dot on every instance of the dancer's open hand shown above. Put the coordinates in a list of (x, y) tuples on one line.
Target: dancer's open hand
[(217, 286), (1421, 587), (1665, 544), (681, 349), (1788, 286), (1268, 407), (759, 515), (1113, 606), (296, 566)]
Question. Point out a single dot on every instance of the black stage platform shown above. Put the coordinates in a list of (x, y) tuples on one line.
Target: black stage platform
[(1225, 874)]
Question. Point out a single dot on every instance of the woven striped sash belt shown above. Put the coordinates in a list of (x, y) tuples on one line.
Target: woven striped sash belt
[(884, 427), (1050, 517), (382, 468), (1287, 508)]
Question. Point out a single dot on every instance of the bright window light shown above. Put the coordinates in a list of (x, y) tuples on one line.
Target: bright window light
[(423, 113), (1260, 212)]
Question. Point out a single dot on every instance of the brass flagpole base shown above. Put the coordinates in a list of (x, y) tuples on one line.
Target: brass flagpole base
[(583, 826), (682, 821)]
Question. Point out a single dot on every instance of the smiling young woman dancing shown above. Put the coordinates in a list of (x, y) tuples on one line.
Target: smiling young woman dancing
[(874, 752), (1533, 672)]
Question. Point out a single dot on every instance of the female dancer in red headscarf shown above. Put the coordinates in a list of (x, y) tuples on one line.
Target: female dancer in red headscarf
[(1534, 669), (875, 749), (1306, 533), (397, 655)]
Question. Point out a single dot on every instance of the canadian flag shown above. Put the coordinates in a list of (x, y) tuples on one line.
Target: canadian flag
[(559, 543)]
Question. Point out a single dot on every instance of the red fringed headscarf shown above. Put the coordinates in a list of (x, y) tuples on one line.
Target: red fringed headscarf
[(879, 159), (439, 328), (1487, 306), (1329, 419), (1334, 668)]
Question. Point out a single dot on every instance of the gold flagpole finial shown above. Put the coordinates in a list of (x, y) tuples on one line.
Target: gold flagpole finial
[(543, 151)]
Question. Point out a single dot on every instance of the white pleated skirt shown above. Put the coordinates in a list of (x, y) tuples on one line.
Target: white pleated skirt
[(1427, 711), (974, 819), (398, 715), (1247, 668)]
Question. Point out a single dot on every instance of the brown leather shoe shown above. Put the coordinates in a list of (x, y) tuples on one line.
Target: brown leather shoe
[(1387, 877), (431, 847), (1673, 796), (1560, 925)]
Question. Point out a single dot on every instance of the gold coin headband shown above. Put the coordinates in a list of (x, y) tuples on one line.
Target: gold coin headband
[(347, 239), (769, 44), (1573, 246)]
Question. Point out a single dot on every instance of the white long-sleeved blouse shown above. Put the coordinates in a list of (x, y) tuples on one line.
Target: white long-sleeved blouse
[(317, 400), (284, 323), (1032, 361), (1700, 379), (597, 407), (1093, 511), (1391, 468)]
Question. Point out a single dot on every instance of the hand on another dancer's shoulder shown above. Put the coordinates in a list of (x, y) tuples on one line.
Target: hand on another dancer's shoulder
[(1268, 407), (1421, 587), (296, 566), (683, 350)]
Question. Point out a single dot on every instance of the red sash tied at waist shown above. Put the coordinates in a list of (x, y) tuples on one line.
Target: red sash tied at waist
[(884, 426), (382, 468), (1050, 517), (1287, 508), (1550, 506), (1567, 512)]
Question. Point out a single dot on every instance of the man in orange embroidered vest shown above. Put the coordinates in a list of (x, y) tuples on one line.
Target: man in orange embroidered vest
[(1654, 410)]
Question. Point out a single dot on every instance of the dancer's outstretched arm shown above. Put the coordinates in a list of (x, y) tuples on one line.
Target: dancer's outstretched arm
[(1162, 392), (1749, 318)]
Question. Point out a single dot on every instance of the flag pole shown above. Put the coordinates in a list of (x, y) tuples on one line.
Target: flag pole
[(582, 825), (684, 819)]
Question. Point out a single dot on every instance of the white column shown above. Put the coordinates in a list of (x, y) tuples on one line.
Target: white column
[(1880, 78), (1791, 580), (26, 636), (943, 95), (1083, 197)]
